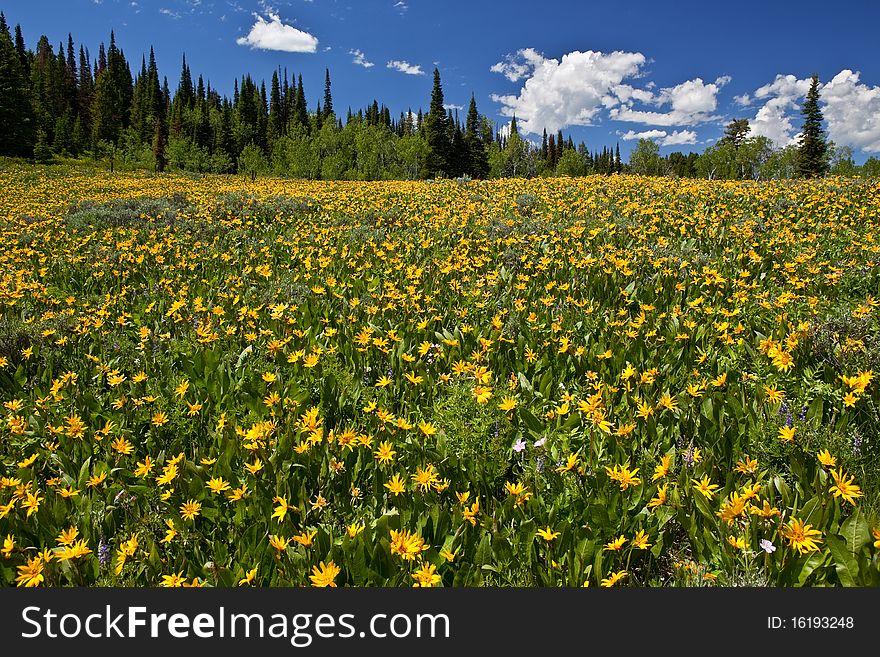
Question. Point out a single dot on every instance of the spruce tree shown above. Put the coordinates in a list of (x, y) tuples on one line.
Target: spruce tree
[(276, 110), (812, 156), (300, 109), (328, 98), (16, 123), (437, 133), (22, 52), (159, 147), (42, 152), (478, 158)]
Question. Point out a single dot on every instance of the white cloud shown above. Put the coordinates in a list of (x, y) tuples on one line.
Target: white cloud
[(452, 106), (275, 35), (690, 102), (360, 59), (560, 93), (168, 12), (676, 138), (743, 101), (631, 135), (852, 112), (679, 137), (784, 86), (515, 70), (581, 86), (773, 119), (405, 67), (850, 108), (401, 6)]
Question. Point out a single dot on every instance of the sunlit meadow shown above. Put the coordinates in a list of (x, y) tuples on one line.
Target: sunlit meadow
[(603, 381)]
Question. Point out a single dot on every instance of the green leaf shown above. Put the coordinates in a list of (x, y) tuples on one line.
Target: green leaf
[(532, 423), (809, 565), (546, 383), (703, 505), (856, 531), (847, 567)]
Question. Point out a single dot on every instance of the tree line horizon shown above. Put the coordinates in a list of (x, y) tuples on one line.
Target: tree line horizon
[(63, 104)]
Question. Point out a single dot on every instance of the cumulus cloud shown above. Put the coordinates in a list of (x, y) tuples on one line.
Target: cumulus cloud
[(360, 59), (774, 118), (405, 67), (852, 111), (453, 106), (272, 34), (516, 67), (567, 91), (583, 86), (675, 138), (690, 103)]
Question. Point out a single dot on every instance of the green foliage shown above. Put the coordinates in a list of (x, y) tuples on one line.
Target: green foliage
[(812, 149), (474, 434), (645, 158), (252, 161)]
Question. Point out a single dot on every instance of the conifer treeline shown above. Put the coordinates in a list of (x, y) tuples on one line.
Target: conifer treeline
[(60, 101)]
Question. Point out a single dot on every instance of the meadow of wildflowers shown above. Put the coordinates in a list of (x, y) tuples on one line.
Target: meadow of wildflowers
[(602, 381)]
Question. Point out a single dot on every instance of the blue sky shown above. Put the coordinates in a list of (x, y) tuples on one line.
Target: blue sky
[(674, 72)]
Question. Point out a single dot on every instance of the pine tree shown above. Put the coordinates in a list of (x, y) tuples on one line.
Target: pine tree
[(16, 120), (86, 91), (276, 110), (22, 53), (300, 109), (478, 158), (812, 155), (437, 133), (735, 132), (159, 147), (113, 94), (328, 98), (155, 99), (42, 152)]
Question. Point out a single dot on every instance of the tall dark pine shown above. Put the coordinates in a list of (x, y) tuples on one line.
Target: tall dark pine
[(22, 52), (300, 109), (276, 110), (812, 157), (328, 98), (113, 95), (437, 133), (478, 157), (16, 124)]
